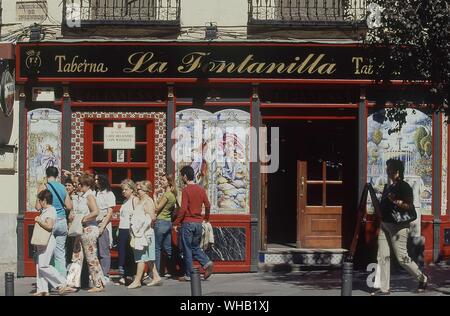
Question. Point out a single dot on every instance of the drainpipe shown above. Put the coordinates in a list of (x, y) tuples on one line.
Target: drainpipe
[(255, 222), (1, 17), (21, 244), (437, 156), (362, 143)]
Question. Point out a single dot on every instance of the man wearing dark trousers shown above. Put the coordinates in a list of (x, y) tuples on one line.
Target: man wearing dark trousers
[(190, 217)]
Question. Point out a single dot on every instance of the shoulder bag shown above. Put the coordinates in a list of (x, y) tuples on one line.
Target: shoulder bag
[(40, 236), (395, 213), (76, 227)]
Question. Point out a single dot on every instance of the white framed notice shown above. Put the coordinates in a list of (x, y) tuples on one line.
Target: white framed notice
[(120, 155), (119, 136)]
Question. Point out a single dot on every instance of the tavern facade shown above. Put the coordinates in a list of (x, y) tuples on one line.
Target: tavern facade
[(296, 70)]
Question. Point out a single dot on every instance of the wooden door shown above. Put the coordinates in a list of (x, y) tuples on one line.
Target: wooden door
[(318, 224)]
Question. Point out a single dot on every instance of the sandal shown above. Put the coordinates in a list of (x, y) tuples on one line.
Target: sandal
[(155, 283), (380, 293), (96, 289), (70, 290), (423, 283), (133, 286)]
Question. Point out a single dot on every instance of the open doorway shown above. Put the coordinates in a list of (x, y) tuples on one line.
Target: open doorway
[(329, 149)]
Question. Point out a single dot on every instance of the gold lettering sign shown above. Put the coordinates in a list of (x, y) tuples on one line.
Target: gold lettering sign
[(143, 61), (311, 64), (77, 66), (147, 62), (361, 67)]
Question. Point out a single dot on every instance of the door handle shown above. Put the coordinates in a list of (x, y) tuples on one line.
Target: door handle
[(302, 185)]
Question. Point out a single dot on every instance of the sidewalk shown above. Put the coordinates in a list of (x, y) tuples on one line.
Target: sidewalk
[(305, 283)]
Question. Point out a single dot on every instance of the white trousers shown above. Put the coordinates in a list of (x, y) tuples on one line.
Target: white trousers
[(46, 273)]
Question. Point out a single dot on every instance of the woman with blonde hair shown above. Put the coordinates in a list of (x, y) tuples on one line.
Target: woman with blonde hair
[(143, 236), (165, 208), (125, 251), (86, 244)]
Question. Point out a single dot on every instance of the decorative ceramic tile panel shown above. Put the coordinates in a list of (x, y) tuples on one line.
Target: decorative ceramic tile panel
[(412, 145), (43, 148), (217, 146)]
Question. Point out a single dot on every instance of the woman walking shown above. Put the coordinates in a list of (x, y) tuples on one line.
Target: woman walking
[(72, 187), (86, 244), (143, 235), (163, 226), (125, 251), (46, 273), (106, 201), (397, 211)]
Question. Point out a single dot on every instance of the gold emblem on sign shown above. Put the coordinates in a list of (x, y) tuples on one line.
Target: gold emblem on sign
[(33, 59)]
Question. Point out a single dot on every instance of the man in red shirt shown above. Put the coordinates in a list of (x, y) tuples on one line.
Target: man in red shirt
[(190, 217)]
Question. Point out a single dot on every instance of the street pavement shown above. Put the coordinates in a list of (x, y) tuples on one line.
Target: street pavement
[(303, 283)]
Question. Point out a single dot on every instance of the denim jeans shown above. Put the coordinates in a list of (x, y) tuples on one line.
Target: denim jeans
[(60, 233), (163, 238), (191, 235), (104, 254)]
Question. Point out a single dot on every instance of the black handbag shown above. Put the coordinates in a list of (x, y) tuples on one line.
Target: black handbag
[(392, 213), (401, 216)]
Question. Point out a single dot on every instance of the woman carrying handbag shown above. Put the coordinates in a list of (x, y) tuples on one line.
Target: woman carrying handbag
[(46, 273), (86, 243), (397, 212)]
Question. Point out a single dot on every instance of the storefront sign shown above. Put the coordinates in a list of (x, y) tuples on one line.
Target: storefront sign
[(7, 93), (119, 137), (29, 11), (178, 60)]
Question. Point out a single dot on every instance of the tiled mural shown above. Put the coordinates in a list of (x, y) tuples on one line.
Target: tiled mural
[(219, 155), (43, 148), (412, 145), (77, 137)]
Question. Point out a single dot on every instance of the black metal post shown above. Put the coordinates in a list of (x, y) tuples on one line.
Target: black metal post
[(196, 286), (255, 222), (9, 283), (171, 122), (347, 279)]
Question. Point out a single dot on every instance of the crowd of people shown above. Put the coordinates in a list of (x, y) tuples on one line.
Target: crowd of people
[(86, 201)]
